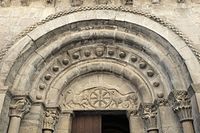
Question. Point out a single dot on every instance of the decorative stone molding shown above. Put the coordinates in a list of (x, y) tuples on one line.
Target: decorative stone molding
[(182, 105), (100, 98), (19, 107), (50, 119), (149, 114), (92, 52), (103, 7)]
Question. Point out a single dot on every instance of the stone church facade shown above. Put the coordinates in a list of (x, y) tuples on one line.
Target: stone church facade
[(63, 58)]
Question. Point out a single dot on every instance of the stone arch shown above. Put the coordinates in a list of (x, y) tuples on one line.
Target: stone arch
[(157, 44)]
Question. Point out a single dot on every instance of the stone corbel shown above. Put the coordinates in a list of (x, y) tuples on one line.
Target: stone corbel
[(50, 119), (18, 108), (149, 114), (181, 105)]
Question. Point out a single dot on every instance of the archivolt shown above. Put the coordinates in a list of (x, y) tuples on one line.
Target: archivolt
[(41, 62), (102, 7), (144, 89), (44, 42)]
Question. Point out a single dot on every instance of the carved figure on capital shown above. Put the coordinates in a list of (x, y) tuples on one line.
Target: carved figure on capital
[(19, 106), (50, 119), (149, 114)]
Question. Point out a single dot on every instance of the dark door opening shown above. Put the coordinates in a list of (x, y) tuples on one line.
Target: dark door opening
[(115, 124), (98, 122)]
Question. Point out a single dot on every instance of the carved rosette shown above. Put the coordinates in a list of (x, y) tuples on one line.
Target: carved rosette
[(50, 119), (149, 114), (182, 106), (19, 107)]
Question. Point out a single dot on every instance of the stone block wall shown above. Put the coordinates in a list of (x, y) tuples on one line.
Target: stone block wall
[(15, 17)]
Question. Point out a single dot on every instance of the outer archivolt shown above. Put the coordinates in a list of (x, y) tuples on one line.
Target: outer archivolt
[(103, 7)]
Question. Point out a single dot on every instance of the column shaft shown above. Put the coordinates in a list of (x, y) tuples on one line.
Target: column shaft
[(187, 127), (182, 107), (65, 123), (14, 125), (136, 124)]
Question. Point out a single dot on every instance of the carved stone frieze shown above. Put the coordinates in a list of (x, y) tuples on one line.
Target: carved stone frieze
[(149, 114), (19, 106), (182, 105), (50, 119), (100, 98)]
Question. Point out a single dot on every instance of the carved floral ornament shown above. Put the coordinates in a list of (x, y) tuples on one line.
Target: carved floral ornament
[(100, 98)]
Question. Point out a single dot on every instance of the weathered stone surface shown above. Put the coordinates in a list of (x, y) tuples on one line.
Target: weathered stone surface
[(100, 55)]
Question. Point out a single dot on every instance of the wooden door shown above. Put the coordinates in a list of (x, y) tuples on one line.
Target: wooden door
[(86, 124)]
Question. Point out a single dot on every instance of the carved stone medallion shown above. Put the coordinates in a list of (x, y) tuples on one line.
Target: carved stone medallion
[(100, 98)]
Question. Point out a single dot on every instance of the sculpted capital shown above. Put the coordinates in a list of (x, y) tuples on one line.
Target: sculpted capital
[(149, 114), (50, 119), (19, 106), (182, 105), (149, 111)]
